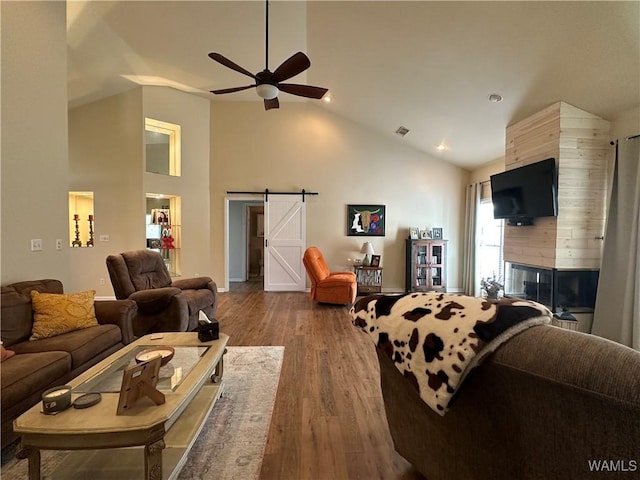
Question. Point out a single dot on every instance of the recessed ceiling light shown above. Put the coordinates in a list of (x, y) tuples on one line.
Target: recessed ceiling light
[(327, 97), (402, 131), (495, 98), (442, 147)]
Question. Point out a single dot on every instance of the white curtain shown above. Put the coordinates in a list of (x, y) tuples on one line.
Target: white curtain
[(469, 284), (617, 312)]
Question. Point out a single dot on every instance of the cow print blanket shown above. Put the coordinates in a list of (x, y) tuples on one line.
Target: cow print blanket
[(435, 339)]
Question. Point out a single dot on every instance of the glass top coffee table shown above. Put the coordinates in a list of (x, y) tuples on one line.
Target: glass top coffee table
[(153, 440)]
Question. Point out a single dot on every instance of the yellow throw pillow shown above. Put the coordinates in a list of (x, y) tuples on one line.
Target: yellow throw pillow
[(56, 313)]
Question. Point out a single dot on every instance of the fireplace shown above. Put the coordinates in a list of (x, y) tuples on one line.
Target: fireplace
[(558, 289)]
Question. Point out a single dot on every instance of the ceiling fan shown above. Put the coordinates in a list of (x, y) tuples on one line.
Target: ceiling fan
[(268, 84)]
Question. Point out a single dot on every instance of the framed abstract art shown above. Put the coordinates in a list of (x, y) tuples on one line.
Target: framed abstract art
[(365, 220)]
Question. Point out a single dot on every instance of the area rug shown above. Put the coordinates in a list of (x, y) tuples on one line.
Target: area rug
[(232, 441)]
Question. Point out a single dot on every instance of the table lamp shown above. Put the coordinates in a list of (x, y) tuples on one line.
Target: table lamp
[(367, 249)]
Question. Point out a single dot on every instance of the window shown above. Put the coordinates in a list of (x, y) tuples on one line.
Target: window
[(490, 237)]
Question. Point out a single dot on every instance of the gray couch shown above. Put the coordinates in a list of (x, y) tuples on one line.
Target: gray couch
[(548, 404), (45, 363)]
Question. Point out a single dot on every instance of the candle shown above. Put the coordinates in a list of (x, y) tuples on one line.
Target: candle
[(91, 218), (56, 399), (76, 217), (58, 393)]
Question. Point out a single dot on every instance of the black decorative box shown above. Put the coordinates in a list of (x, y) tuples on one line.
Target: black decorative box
[(209, 331)]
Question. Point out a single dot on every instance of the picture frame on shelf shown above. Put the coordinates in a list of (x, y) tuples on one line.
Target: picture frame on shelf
[(436, 233), (366, 220), (375, 261), (414, 233), (154, 243), (160, 216), (425, 234)]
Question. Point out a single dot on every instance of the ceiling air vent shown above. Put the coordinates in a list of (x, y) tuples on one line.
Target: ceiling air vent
[(402, 131)]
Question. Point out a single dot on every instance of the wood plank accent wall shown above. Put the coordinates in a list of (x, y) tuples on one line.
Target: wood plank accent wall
[(579, 141)]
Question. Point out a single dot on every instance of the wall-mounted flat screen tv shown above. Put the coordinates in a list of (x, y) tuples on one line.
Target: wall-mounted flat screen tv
[(524, 193)]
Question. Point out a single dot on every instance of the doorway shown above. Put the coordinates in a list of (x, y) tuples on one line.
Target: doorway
[(279, 259), (243, 246)]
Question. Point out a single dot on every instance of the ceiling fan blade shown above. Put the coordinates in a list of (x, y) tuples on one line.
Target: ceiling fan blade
[(308, 91), (295, 64), (229, 64), (273, 103), (231, 90)]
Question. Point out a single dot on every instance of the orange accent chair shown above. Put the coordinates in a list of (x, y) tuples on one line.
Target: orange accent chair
[(328, 287)]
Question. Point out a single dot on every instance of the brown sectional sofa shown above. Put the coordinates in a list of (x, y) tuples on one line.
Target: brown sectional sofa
[(42, 364), (548, 404)]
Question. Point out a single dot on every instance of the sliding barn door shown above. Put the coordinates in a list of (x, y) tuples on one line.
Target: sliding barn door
[(285, 241)]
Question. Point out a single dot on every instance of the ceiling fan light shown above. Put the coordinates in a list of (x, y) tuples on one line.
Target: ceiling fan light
[(267, 91)]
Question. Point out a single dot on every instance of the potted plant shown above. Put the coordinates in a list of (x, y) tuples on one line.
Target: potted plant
[(491, 287)]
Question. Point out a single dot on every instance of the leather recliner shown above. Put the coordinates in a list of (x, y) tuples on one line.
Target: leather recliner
[(326, 286), (164, 305)]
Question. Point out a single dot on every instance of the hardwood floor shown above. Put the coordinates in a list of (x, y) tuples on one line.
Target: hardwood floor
[(328, 420)]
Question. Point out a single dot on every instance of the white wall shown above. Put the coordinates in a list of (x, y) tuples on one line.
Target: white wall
[(626, 123), (623, 124), (302, 145), (484, 172), (105, 149), (297, 146), (34, 140), (107, 158), (192, 114)]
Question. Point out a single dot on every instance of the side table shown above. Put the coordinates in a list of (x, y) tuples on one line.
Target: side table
[(369, 279)]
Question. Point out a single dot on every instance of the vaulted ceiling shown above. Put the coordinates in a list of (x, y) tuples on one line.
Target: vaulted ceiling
[(427, 66)]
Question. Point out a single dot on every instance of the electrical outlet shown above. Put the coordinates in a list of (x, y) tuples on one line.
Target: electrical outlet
[(36, 244), (104, 238), (58, 244), (102, 281)]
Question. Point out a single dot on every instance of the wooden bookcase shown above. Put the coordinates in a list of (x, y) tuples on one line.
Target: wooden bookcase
[(426, 265)]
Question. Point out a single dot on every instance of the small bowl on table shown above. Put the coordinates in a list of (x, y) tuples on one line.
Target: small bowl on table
[(166, 353)]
